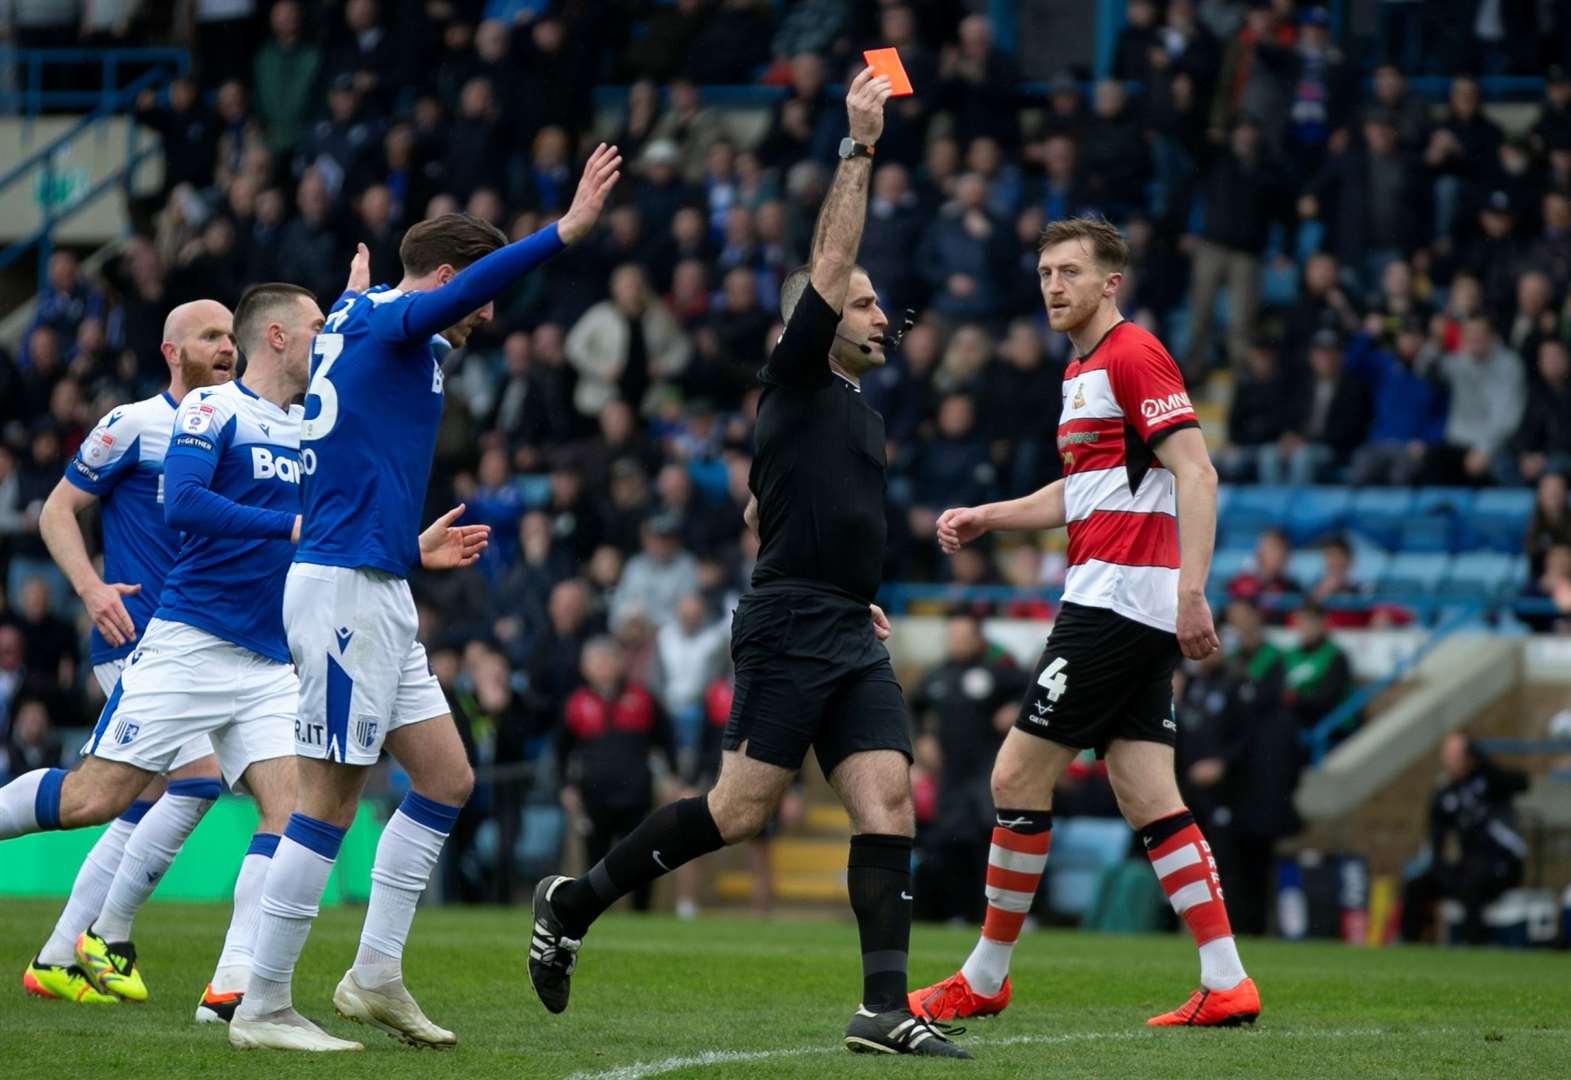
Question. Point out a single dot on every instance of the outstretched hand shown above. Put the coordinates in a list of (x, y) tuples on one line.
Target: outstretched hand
[(445, 546), (600, 176), (359, 270), (958, 527), (865, 106)]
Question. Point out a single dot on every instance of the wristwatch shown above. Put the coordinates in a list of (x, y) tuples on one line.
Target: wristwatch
[(850, 148)]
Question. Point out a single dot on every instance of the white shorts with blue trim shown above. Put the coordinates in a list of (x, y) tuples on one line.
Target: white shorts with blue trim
[(192, 750), (182, 685), (363, 672)]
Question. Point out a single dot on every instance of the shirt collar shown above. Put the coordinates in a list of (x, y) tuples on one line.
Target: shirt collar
[(845, 380)]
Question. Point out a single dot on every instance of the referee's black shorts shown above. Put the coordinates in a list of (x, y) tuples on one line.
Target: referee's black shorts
[(1102, 677), (810, 673)]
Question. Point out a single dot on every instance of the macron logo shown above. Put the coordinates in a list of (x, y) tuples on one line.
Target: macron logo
[(344, 634), (1155, 410), (203, 395), (114, 418)]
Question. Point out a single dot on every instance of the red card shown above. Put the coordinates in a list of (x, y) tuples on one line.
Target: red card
[(887, 62)]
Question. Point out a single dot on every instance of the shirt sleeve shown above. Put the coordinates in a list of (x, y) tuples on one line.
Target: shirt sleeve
[(202, 431), (1150, 390), (107, 456), (802, 354), (430, 311)]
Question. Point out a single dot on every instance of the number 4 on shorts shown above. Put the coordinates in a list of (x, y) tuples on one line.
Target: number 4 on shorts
[(1053, 679)]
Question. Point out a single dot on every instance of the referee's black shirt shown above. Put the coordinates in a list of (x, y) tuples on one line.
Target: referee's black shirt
[(818, 468)]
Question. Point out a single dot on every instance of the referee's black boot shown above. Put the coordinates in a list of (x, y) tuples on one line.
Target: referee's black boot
[(552, 954), (898, 1032)]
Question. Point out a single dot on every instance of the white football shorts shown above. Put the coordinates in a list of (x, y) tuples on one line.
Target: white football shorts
[(193, 749), (363, 672), (182, 684)]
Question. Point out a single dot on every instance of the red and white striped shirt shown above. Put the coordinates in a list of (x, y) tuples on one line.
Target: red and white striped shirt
[(1120, 399)]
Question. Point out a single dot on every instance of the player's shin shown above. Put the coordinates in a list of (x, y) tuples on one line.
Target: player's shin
[(1015, 862), (674, 834), (878, 877), (153, 845), (405, 857), (234, 962), (91, 886), (31, 803), (291, 897), (1187, 872)]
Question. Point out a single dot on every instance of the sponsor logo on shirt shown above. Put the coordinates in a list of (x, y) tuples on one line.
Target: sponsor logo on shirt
[(265, 466), (195, 442), (1156, 410), (98, 446)]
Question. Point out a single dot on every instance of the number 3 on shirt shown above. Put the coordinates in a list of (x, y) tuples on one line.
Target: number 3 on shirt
[(327, 348)]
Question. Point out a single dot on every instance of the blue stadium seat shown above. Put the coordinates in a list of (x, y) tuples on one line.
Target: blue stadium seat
[(1317, 512), (1457, 501), (1369, 565), (1257, 508), (1228, 563), (1414, 572), (1378, 513), (1499, 519), (1430, 532), (1307, 567), (1479, 575), (1082, 848)]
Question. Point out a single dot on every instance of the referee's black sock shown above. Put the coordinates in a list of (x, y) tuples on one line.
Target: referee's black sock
[(667, 838), (879, 879)]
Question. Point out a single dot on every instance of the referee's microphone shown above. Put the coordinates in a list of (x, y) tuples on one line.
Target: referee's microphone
[(891, 341)]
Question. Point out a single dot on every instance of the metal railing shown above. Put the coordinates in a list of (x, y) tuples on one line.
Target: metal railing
[(42, 162), (25, 92)]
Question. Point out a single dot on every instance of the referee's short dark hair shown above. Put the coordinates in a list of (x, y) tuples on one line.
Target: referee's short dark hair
[(1107, 243), (259, 305), (455, 240), (795, 284)]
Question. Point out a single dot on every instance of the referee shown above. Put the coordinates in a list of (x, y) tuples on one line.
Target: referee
[(810, 667)]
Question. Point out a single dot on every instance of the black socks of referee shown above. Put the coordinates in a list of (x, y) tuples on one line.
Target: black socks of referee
[(674, 834), (878, 876)]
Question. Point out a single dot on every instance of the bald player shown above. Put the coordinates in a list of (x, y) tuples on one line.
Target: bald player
[(120, 467)]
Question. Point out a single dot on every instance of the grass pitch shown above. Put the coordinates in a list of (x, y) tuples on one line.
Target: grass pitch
[(737, 997)]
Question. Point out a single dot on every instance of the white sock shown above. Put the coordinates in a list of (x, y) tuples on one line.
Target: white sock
[(405, 857), (154, 843), (1220, 967), (291, 897), (90, 888), (31, 803), (234, 963), (988, 966)]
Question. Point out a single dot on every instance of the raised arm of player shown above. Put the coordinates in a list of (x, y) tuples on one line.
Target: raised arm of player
[(838, 234), (475, 286), (62, 535), (1183, 453), (1042, 509)]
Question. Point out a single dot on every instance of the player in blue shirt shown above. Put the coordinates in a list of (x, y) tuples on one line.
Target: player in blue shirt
[(371, 418), (120, 468)]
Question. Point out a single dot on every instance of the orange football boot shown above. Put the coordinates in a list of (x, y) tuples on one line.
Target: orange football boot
[(953, 999), (1214, 1008)]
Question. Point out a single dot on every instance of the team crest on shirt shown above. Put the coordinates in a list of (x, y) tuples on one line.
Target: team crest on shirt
[(1080, 397), (197, 420), (1069, 460)]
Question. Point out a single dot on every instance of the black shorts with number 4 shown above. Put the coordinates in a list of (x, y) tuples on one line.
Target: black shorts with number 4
[(1102, 677)]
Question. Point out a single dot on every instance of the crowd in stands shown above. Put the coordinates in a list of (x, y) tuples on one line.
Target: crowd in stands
[(1396, 276)]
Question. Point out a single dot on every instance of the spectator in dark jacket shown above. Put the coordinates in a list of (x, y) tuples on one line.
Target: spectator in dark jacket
[(1475, 850), (891, 236), (1258, 416), (979, 83), (188, 133), (1113, 156), (1242, 187), (955, 465), (1328, 418), (308, 249), (1372, 200), (66, 299), (1409, 409), (1018, 390), (1543, 441), (1460, 154), (963, 254), (1550, 525)]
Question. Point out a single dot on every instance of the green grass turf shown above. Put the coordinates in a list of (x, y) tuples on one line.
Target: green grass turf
[(737, 997)]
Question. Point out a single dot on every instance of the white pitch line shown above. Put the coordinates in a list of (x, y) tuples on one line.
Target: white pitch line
[(639, 1070)]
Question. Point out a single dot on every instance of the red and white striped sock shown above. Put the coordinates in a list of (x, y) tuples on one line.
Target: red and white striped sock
[(1014, 869), (1187, 872)]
